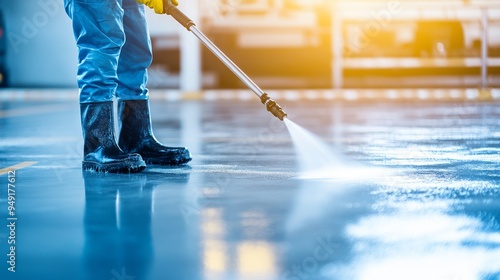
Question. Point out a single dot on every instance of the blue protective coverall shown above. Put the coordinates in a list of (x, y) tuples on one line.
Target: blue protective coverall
[(114, 49), (114, 52)]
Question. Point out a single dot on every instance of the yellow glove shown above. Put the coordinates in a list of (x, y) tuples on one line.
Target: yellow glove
[(157, 5)]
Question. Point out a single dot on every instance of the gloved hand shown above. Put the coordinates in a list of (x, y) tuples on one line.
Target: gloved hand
[(157, 5)]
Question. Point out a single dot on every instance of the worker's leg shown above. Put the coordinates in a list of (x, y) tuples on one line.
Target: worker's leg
[(136, 135), (98, 30)]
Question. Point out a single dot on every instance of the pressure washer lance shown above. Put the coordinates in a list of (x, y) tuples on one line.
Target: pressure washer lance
[(185, 21)]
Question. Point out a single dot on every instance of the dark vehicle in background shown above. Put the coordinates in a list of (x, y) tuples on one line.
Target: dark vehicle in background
[(3, 51)]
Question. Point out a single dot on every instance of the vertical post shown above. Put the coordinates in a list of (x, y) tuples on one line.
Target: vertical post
[(190, 72), (484, 48), (337, 44)]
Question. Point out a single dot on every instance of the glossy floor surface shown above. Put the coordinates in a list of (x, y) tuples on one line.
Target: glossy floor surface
[(242, 209)]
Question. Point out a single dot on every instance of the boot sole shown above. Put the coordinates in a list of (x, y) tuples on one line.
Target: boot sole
[(113, 167), (166, 162)]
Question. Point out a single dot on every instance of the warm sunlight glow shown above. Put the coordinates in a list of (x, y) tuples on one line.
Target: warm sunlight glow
[(214, 248), (256, 258)]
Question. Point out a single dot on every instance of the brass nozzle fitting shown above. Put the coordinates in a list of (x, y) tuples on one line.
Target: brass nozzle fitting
[(273, 107)]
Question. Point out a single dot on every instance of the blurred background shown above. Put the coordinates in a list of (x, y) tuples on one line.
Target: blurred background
[(279, 44)]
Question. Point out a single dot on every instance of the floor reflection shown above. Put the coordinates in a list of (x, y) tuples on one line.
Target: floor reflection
[(420, 230), (227, 254), (433, 246), (215, 259), (117, 225), (315, 226)]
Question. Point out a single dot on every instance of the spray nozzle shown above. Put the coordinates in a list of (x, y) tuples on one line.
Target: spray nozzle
[(273, 107)]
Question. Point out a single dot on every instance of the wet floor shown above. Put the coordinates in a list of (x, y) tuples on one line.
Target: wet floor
[(241, 209)]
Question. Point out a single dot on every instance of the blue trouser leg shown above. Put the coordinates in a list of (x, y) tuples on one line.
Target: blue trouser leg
[(99, 34), (136, 54)]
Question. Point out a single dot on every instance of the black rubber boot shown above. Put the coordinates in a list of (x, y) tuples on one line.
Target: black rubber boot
[(101, 152), (136, 135)]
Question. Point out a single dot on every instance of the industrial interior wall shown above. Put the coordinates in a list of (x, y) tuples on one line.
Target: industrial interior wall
[(41, 51)]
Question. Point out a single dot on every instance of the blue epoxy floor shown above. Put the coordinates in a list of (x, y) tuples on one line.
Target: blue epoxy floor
[(241, 211)]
